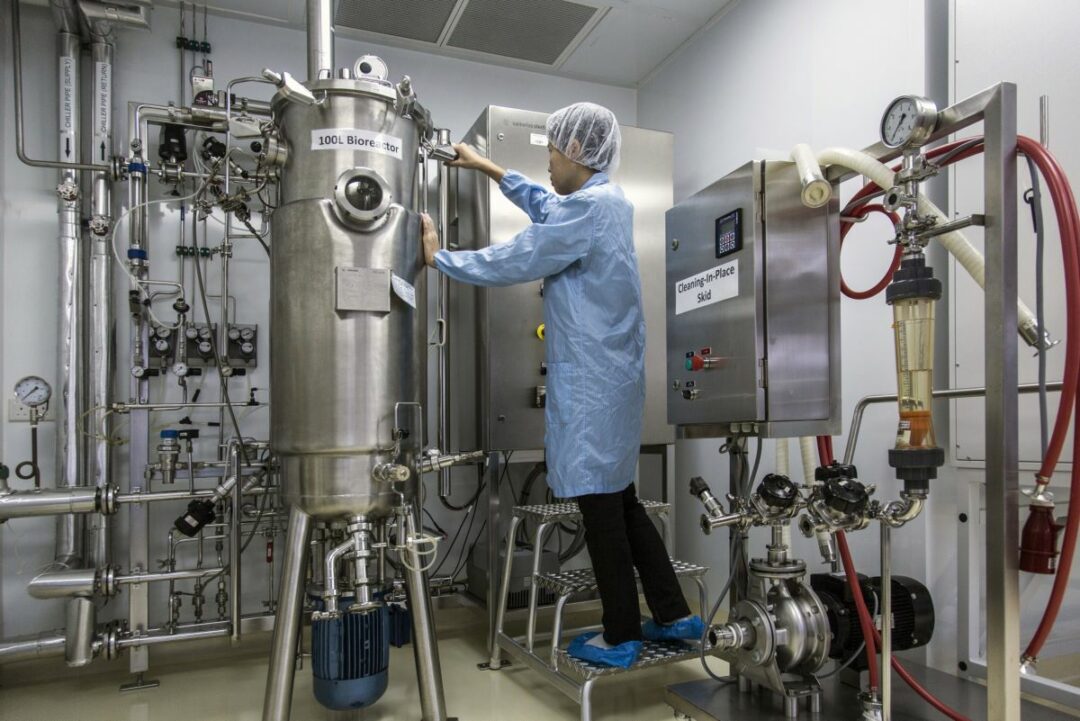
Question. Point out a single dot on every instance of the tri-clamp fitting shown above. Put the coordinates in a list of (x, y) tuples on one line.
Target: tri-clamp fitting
[(776, 500)]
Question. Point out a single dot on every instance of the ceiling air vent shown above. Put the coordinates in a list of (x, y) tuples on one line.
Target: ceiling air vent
[(534, 30), (413, 19)]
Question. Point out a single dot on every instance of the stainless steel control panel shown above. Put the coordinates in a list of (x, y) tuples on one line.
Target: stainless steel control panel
[(496, 344), (753, 301)]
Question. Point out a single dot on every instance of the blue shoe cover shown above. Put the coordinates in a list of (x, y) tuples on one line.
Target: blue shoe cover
[(622, 656), (691, 629)]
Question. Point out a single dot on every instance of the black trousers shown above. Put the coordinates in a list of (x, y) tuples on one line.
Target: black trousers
[(620, 537)]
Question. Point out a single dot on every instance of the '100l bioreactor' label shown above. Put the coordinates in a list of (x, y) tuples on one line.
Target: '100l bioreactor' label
[(355, 139)]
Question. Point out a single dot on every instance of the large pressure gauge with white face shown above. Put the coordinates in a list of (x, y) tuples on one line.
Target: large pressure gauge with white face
[(33, 391), (908, 122)]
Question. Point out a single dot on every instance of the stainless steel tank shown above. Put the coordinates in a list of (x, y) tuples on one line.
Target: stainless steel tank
[(347, 314)]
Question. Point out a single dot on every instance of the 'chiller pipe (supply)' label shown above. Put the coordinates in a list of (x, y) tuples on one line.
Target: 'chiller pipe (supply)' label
[(712, 286)]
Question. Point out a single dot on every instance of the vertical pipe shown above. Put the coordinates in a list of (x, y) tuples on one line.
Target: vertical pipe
[(425, 644), (494, 471), (79, 632), (442, 312), (320, 37), (1044, 120), (70, 327), (279, 681), (139, 445), (234, 539), (101, 325), (886, 622), (1002, 482)]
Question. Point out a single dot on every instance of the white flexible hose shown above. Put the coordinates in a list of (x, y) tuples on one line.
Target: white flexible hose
[(783, 464), (965, 253), (808, 448), (816, 191)]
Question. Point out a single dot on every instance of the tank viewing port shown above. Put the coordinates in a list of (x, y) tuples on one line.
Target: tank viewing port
[(362, 194)]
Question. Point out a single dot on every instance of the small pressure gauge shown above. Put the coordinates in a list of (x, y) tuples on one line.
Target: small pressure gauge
[(33, 391), (908, 122)]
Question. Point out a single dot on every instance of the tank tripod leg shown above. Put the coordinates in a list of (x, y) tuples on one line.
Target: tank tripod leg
[(277, 703), (425, 648)]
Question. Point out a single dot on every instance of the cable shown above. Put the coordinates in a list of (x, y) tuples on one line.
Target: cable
[(1033, 197), (845, 664), (217, 358)]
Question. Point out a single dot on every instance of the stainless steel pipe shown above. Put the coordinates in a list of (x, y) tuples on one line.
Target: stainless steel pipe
[(43, 645), (277, 702), (79, 633), (64, 584), (47, 502), (866, 401), (320, 38), (71, 326), (442, 311), (101, 324), (425, 643), (20, 150)]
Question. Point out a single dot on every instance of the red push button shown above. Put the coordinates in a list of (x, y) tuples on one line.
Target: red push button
[(694, 362)]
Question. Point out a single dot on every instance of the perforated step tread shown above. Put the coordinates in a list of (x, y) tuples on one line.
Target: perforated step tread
[(653, 653), (568, 511), (581, 580)]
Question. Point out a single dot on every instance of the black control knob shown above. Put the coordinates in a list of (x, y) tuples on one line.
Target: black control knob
[(778, 491), (846, 495), (199, 513), (698, 486), (836, 470)]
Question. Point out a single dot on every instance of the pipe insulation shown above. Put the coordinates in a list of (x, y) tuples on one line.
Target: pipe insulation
[(808, 449), (783, 461), (960, 247), (816, 191)]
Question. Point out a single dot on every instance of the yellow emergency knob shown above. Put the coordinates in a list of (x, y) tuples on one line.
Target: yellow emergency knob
[(540, 331)]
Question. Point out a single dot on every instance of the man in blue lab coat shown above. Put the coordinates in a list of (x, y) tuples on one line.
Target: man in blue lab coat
[(581, 243)]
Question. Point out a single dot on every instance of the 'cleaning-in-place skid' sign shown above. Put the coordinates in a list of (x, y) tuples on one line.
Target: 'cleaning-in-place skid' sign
[(712, 286)]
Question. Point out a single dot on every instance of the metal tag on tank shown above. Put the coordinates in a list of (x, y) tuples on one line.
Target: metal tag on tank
[(362, 289)]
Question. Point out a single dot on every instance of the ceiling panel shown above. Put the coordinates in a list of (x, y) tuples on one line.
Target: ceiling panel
[(636, 36), (534, 30), (413, 19), (628, 42)]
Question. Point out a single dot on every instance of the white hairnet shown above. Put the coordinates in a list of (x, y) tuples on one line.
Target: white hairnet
[(596, 131)]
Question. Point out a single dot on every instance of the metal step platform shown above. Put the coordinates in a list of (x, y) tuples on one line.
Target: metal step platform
[(583, 580), (653, 654), (574, 677), (568, 511)]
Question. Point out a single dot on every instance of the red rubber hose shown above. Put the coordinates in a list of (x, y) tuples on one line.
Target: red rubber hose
[(862, 211), (865, 620), (1069, 228)]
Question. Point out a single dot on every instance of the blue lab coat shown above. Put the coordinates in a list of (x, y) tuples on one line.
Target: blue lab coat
[(582, 245)]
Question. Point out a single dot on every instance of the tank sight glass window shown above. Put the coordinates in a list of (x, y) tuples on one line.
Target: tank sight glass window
[(362, 194)]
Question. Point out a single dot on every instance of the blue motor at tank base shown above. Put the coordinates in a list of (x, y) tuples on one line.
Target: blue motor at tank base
[(350, 658)]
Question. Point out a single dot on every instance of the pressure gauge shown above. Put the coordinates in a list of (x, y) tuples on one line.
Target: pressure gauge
[(33, 391), (908, 122)]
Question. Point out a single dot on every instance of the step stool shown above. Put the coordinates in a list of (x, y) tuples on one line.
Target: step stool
[(574, 677)]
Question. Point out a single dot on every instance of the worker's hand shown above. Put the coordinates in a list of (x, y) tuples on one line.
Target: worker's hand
[(468, 157), (430, 238)]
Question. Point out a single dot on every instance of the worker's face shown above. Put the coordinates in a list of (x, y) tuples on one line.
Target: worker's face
[(562, 171)]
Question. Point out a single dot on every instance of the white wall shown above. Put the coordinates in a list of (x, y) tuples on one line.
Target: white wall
[(148, 71), (769, 74), (993, 42)]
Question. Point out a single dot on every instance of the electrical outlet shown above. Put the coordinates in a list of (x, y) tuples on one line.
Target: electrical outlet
[(18, 413)]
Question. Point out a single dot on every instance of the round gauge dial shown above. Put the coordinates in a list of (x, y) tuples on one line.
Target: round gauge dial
[(33, 391), (909, 121)]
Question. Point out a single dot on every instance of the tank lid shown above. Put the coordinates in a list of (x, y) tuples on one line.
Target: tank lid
[(339, 86)]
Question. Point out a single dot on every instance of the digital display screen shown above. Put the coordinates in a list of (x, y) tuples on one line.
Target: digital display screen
[(729, 233)]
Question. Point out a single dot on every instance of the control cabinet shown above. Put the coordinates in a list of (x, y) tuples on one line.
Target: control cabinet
[(753, 308), (496, 334)]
